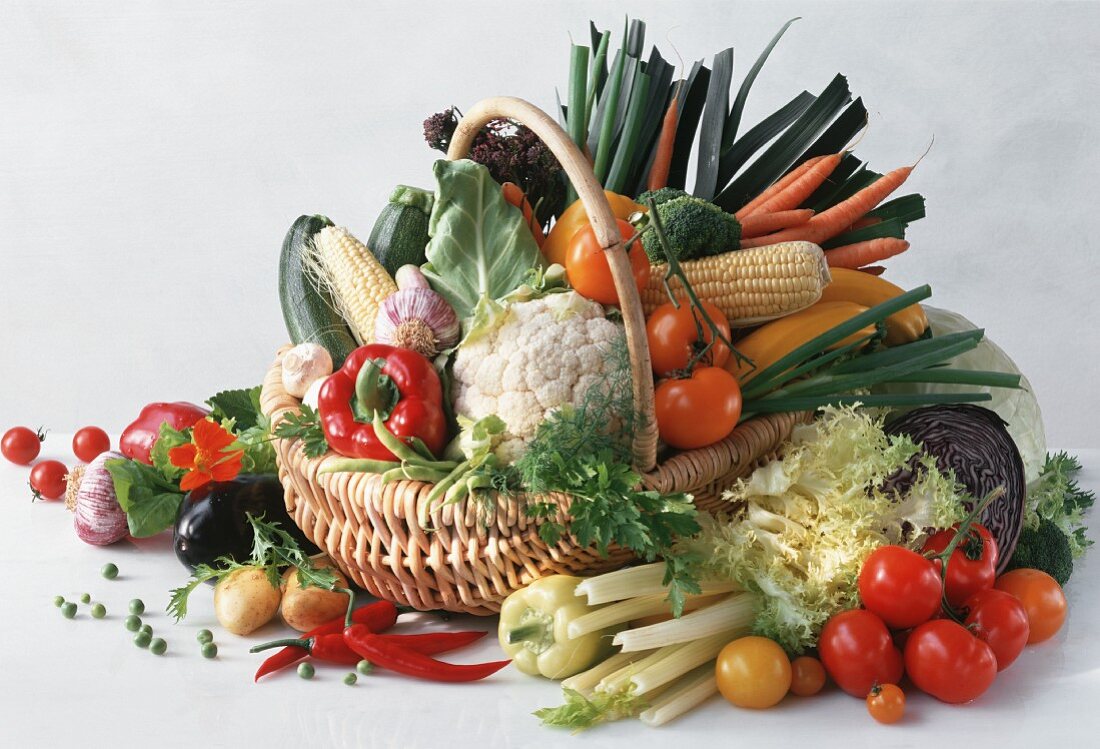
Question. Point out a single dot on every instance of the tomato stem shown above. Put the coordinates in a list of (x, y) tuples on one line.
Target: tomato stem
[(960, 534)]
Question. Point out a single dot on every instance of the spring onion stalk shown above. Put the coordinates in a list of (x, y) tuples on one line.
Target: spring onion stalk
[(755, 388), (585, 682), (575, 117), (688, 693), (739, 610), (621, 679), (643, 580), (612, 90), (686, 658), (886, 357)]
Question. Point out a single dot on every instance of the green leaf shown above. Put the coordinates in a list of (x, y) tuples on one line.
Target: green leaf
[(839, 134), (306, 426), (907, 208), (692, 97), (243, 406), (167, 439), (619, 175), (480, 247), (729, 132), (580, 712), (150, 501), (714, 119), (889, 228), (759, 134), (259, 453)]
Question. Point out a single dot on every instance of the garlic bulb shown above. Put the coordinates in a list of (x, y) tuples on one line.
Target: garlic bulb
[(303, 365), (410, 277), (417, 319), (90, 495)]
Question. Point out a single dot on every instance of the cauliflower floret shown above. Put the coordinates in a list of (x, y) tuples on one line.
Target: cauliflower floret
[(544, 354)]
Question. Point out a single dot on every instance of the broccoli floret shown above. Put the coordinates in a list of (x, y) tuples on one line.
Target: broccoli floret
[(661, 196), (1044, 548), (695, 228)]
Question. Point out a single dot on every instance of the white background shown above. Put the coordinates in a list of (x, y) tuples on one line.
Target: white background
[(152, 155)]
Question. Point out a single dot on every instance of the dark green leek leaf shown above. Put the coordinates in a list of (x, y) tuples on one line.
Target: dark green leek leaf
[(692, 95), (597, 75), (889, 228), (841, 191), (600, 65), (848, 165), (755, 138), (787, 147), (632, 129), (839, 134), (714, 119), (660, 93), (908, 208), (733, 122)]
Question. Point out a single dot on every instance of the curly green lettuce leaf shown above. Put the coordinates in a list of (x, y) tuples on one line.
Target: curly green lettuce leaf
[(1056, 497), (580, 712)]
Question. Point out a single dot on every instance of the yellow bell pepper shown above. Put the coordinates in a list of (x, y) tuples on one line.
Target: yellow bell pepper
[(574, 218), (533, 629)]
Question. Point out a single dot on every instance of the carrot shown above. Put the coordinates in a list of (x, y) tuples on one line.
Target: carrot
[(515, 196), (795, 194), (777, 187), (662, 159), (837, 219), (861, 253), (759, 224)]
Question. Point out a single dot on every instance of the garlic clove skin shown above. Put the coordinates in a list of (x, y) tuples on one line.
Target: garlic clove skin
[(410, 277), (417, 319), (303, 365), (97, 517)]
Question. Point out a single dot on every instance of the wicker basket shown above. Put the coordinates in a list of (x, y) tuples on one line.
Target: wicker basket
[(475, 556)]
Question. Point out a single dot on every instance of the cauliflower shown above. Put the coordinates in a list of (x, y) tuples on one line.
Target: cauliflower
[(539, 356)]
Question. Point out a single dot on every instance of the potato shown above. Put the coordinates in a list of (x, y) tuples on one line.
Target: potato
[(244, 600), (305, 608)]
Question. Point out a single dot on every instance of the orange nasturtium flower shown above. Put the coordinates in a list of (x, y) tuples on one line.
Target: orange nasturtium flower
[(205, 457)]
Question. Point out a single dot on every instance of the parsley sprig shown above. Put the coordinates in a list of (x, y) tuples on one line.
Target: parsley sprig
[(305, 426), (273, 548)]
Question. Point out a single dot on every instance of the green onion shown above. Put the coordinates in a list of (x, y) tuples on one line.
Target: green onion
[(810, 403)]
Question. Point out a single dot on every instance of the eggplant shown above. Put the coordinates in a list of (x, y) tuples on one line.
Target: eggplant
[(213, 521)]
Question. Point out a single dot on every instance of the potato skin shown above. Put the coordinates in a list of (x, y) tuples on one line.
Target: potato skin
[(305, 608), (244, 600)]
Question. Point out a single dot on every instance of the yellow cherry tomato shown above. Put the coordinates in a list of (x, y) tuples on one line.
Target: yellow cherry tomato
[(753, 672)]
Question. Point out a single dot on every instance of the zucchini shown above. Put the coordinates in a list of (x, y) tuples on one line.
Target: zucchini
[(308, 309), (400, 234)]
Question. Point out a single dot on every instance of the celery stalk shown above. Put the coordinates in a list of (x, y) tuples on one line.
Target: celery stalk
[(688, 693), (738, 610), (620, 679), (634, 582), (686, 658), (586, 681)]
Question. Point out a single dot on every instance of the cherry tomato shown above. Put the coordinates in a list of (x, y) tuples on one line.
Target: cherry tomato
[(20, 445), (946, 661), (674, 336), (587, 268), (900, 586), (807, 676), (857, 652), (89, 442), (48, 479), (753, 672), (973, 564), (886, 703), (999, 620), (698, 410), (1043, 600)]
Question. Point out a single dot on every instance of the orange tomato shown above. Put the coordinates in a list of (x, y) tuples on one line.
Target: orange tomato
[(753, 672), (698, 410), (589, 272), (673, 334), (807, 676), (1042, 598), (886, 703)]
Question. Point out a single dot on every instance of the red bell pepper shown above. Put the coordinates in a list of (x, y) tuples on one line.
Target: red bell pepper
[(398, 384), (137, 439)]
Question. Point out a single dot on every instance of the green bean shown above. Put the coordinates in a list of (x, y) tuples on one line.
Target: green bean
[(99, 611), (389, 440), (445, 483), (353, 465), (85, 597), (204, 636), (209, 650), (68, 609), (421, 448), (133, 623), (351, 678), (305, 670), (109, 571), (142, 639), (413, 473), (157, 646), (137, 606), (58, 601)]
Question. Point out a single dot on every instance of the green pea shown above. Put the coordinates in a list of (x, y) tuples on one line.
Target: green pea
[(364, 667), (147, 629), (133, 623), (350, 678), (209, 650), (142, 639), (85, 597), (157, 646), (305, 670), (137, 606), (205, 635), (109, 571), (58, 601), (99, 611), (68, 609)]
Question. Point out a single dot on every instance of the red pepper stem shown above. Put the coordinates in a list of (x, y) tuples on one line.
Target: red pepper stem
[(375, 393), (962, 532), (304, 644), (351, 604)]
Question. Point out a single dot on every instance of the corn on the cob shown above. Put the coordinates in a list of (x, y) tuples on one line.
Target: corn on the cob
[(773, 341), (749, 286), (863, 288), (358, 282)]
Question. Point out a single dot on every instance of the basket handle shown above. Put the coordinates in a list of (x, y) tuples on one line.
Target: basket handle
[(603, 221)]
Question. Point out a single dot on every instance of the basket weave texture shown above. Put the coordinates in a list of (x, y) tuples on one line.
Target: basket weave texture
[(474, 554)]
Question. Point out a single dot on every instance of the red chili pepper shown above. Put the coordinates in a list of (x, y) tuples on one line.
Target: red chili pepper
[(377, 617), (137, 439), (331, 648), (390, 655), (398, 384)]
